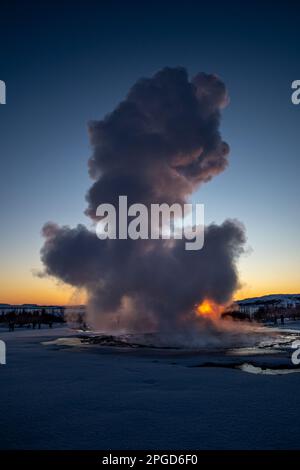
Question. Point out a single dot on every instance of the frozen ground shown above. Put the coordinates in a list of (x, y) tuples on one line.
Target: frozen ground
[(93, 397)]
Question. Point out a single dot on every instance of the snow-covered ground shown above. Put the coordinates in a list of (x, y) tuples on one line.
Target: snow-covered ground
[(62, 395)]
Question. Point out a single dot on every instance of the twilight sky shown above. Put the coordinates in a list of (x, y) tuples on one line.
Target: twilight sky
[(65, 63)]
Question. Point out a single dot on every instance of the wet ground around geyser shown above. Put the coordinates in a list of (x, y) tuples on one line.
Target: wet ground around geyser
[(60, 392)]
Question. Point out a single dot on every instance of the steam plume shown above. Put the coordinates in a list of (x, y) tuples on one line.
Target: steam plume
[(157, 146)]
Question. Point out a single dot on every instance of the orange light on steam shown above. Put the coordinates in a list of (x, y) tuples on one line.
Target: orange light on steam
[(209, 307)]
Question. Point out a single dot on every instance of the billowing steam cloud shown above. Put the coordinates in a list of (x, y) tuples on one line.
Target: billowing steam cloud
[(160, 142), (157, 146)]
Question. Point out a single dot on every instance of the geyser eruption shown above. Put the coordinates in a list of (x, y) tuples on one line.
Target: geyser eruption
[(157, 146)]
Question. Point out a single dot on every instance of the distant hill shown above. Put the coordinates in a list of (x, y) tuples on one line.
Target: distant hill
[(272, 298)]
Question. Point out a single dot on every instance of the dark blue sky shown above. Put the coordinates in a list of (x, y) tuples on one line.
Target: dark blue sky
[(65, 63)]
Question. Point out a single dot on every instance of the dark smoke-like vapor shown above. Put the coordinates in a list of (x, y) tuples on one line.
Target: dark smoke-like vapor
[(160, 142), (157, 146)]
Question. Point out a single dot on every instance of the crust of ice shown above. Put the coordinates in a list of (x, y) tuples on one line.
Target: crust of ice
[(251, 369), (63, 342)]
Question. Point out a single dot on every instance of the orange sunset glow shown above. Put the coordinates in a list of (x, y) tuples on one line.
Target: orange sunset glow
[(210, 308), (27, 288)]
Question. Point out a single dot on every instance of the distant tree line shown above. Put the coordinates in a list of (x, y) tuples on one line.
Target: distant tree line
[(270, 312), (30, 319)]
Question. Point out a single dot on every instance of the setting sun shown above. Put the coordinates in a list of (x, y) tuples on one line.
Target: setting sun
[(209, 307)]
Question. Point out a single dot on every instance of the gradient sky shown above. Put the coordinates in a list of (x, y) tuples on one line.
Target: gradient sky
[(65, 63)]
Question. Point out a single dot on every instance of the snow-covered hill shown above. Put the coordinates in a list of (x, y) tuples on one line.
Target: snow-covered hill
[(283, 299)]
